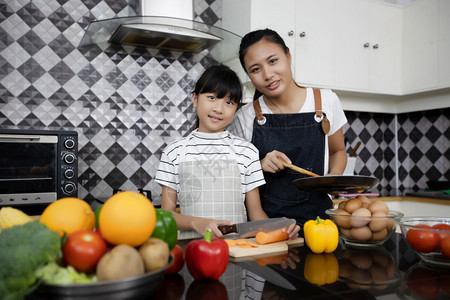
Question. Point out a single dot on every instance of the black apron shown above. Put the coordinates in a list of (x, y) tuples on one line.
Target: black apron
[(302, 139)]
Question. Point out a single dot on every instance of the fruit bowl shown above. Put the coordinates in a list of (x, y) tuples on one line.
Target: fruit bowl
[(364, 231), (429, 237)]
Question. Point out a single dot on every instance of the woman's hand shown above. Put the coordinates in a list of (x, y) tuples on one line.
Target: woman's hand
[(202, 224), (271, 162)]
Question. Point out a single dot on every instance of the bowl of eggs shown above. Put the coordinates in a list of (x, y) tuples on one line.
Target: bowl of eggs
[(363, 222)]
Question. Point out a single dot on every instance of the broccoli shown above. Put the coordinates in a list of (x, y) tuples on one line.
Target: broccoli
[(25, 248)]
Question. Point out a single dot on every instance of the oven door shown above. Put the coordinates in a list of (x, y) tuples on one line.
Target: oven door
[(28, 169)]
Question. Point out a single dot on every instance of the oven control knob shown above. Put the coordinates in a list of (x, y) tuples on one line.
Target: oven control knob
[(69, 188), (69, 158), (69, 173), (69, 143)]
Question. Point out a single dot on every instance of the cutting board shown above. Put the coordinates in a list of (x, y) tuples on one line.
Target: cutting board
[(265, 250)]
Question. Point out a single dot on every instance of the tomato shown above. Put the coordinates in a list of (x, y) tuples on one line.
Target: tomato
[(83, 249), (443, 227), (178, 260), (423, 283), (445, 246), (422, 240)]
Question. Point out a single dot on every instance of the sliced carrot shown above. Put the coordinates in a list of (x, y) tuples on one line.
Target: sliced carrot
[(263, 238), (271, 260), (230, 242), (240, 242), (252, 244)]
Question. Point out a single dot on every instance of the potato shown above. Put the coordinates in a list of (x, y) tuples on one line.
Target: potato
[(155, 253), (122, 261)]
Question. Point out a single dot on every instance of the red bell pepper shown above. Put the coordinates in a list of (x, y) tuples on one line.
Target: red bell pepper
[(206, 258)]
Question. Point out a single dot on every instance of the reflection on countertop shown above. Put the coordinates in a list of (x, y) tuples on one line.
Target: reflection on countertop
[(393, 271)]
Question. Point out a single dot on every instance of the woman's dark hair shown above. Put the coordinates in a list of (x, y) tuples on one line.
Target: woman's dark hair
[(220, 80), (255, 36)]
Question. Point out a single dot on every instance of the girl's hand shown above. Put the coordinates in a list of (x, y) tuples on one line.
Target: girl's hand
[(271, 163), (293, 230), (201, 225)]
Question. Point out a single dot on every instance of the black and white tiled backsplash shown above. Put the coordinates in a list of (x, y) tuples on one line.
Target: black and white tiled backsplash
[(127, 103)]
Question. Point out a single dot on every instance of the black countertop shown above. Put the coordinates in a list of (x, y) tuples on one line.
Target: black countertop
[(393, 271)]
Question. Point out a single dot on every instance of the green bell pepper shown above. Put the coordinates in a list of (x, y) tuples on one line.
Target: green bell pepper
[(166, 228)]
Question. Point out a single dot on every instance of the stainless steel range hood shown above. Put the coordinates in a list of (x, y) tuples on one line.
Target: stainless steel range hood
[(164, 24)]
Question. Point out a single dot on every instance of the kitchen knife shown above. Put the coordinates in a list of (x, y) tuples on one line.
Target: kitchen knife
[(248, 229)]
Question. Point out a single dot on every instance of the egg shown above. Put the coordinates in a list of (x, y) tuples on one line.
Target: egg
[(361, 233), (379, 235), (390, 223), (378, 274), (343, 220), (378, 205), (345, 232), (364, 200), (352, 204), (360, 217), (361, 260), (341, 205), (378, 221)]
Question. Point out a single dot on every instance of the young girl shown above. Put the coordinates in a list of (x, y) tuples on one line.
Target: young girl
[(211, 172), (298, 125)]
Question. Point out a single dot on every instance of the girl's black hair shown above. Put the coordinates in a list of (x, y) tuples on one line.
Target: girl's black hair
[(220, 80), (255, 36)]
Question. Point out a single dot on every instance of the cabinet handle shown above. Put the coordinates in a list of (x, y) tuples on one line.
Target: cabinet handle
[(375, 46), (303, 34), (291, 33), (366, 45)]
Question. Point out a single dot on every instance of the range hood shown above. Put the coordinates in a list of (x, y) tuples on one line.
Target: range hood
[(164, 24)]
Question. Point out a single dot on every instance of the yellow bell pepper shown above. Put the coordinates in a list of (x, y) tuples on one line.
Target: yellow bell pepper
[(321, 268), (321, 235)]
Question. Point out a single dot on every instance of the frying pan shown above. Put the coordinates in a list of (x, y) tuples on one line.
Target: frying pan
[(336, 184)]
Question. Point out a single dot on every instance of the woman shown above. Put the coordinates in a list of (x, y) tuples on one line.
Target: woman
[(288, 122)]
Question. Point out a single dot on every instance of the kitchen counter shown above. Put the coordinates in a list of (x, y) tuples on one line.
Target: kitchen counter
[(392, 271), (398, 267)]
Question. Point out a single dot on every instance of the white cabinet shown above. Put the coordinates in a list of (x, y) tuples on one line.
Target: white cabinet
[(444, 43), (368, 46), (314, 61), (420, 46), (306, 26)]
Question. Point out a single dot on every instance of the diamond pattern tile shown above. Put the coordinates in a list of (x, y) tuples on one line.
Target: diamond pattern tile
[(128, 103)]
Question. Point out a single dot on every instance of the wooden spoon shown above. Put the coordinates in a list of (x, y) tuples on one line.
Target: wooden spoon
[(298, 169)]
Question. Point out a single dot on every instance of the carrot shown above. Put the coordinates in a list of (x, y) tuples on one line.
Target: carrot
[(271, 260), (263, 238), (230, 242)]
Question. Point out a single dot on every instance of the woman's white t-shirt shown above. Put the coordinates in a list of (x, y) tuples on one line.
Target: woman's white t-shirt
[(242, 124)]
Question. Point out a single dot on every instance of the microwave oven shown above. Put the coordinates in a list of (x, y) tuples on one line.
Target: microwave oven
[(37, 167)]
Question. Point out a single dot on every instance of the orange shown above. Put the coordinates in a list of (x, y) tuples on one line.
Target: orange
[(127, 218), (67, 215)]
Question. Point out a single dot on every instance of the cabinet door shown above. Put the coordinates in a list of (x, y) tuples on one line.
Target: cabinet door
[(314, 49), (444, 43), (277, 15), (420, 46), (352, 28), (385, 49)]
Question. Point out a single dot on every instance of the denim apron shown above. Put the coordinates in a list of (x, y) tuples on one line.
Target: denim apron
[(210, 189), (301, 136)]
